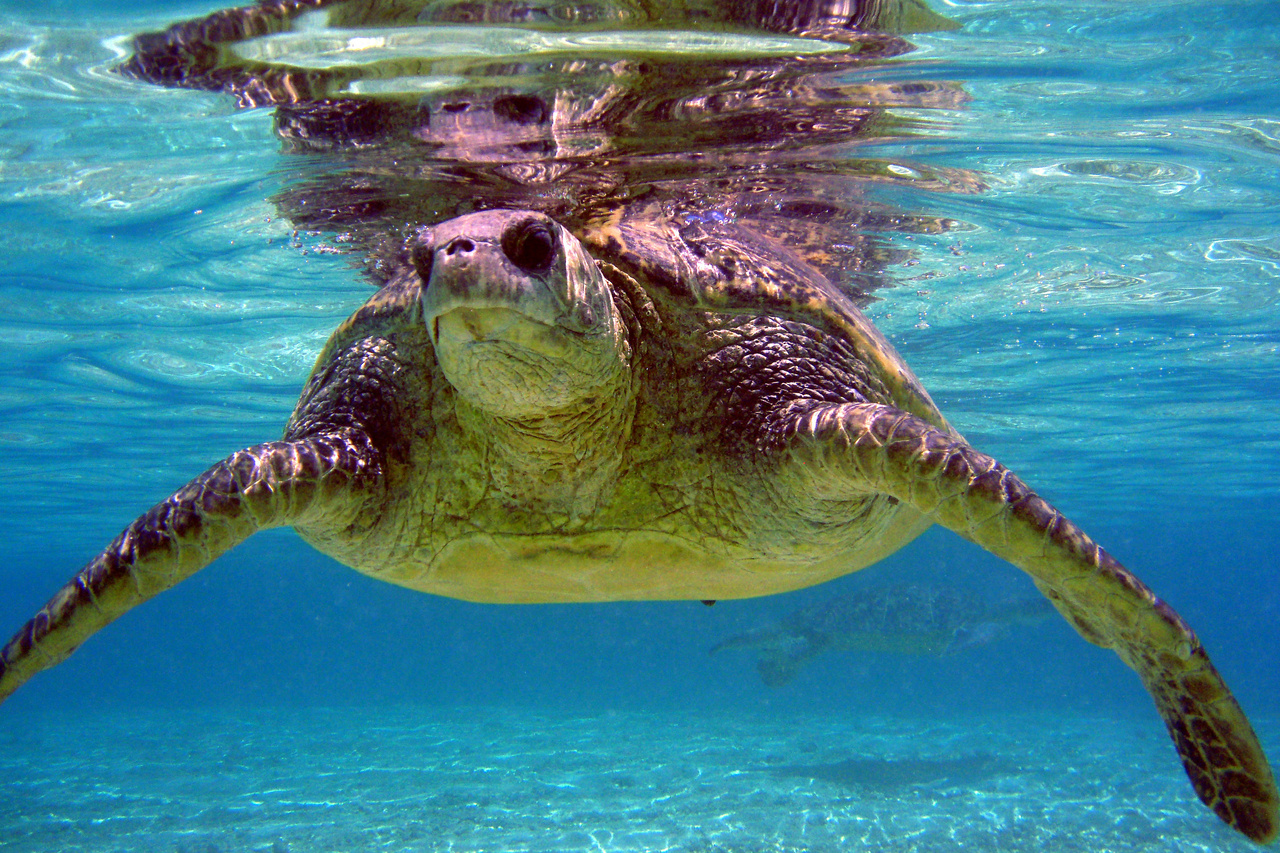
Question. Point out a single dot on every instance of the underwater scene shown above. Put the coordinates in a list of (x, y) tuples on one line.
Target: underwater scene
[(1064, 217)]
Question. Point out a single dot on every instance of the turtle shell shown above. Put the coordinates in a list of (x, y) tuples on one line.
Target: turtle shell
[(712, 264)]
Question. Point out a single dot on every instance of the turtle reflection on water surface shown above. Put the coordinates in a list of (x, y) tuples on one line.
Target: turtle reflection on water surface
[(629, 401)]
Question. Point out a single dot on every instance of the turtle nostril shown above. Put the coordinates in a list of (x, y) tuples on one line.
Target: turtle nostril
[(459, 244), (531, 245)]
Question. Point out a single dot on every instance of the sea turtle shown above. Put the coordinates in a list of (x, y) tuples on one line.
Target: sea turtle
[(645, 409), (911, 619), (607, 388)]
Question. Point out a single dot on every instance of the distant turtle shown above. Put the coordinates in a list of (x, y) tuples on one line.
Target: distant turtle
[(650, 408), (910, 619)]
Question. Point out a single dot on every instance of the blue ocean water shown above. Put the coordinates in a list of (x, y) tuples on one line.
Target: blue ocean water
[(1104, 318)]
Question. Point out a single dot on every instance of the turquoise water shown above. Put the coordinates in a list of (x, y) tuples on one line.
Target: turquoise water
[(1103, 318)]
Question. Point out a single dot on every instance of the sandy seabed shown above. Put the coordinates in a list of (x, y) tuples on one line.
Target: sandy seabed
[(500, 779)]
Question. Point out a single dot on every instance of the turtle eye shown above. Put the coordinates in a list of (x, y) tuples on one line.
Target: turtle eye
[(531, 245), (421, 255)]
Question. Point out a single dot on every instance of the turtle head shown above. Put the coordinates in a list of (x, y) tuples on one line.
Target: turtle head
[(523, 323)]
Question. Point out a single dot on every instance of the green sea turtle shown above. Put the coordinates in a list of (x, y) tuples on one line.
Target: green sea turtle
[(911, 619), (647, 409), (642, 396)]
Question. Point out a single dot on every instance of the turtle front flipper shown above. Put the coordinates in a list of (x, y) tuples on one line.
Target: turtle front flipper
[(268, 485), (881, 449)]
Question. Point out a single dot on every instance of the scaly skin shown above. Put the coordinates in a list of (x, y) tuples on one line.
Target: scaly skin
[(881, 448), (269, 485), (730, 449)]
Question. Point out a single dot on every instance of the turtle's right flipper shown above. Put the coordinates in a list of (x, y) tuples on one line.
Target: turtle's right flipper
[(882, 449), (268, 485)]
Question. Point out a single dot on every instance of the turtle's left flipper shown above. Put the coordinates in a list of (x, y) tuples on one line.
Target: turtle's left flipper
[(879, 448), (268, 485)]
